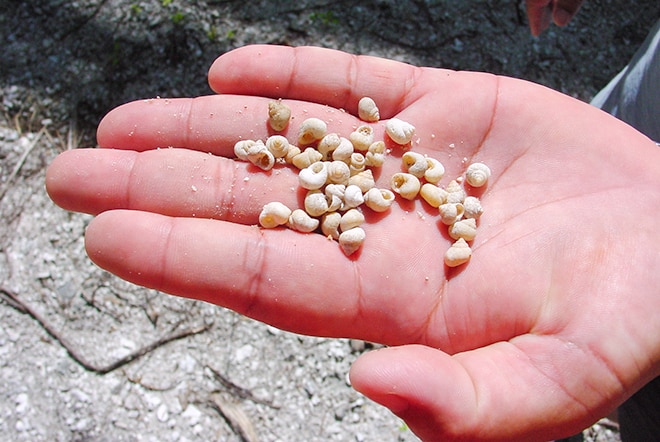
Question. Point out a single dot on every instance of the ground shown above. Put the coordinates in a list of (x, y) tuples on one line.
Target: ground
[(73, 361)]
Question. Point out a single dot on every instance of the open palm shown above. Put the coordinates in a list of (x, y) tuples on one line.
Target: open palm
[(551, 324)]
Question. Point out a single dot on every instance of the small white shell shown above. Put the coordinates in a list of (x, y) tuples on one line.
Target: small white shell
[(435, 171), (278, 115), (260, 156), (302, 222), (362, 137), (379, 200), (451, 212), (432, 194), (364, 180), (344, 151), (241, 148), (405, 184), (328, 144), (312, 129), (330, 224), (292, 153), (367, 110), (353, 197), (375, 157), (338, 172), (278, 145), (465, 228), (274, 214), (414, 163), (399, 131), (358, 163), (306, 158), (351, 240), (473, 207), (459, 253), (455, 193), (352, 218), (477, 174), (316, 203), (313, 176)]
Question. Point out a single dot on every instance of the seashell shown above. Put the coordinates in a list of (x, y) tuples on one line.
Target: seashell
[(335, 190), (414, 163), (311, 130), (291, 154), (459, 253), (375, 157), (435, 171), (274, 214), (362, 137), (313, 176), (277, 145), (473, 207), (364, 180), (477, 174), (358, 163), (451, 212), (260, 156), (328, 144), (302, 222), (351, 240), (352, 218), (367, 110), (330, 224), (455, 193), (399, 131), (338, 172), (306, 158), (315, 203), (353, 197), (278, 115), (432, 194), (405, 184), (344, 151), (379, 200), (241, 148), (465, 228)]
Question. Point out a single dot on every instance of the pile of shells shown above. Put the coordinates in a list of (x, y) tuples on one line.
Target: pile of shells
[(337, 174)]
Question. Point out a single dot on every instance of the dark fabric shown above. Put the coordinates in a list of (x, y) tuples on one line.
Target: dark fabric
[(639, 416)]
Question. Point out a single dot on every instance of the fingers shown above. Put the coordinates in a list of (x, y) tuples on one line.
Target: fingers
[(273, 276), (564, 10), (507, 391), (317, 75), (541, 12)]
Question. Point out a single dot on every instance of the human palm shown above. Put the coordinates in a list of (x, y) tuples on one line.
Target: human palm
[(551, 324)]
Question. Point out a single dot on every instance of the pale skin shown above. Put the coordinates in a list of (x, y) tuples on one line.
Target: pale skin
[(551, 325)]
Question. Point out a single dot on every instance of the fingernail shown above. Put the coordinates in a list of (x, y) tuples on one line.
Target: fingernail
[(561, 17)]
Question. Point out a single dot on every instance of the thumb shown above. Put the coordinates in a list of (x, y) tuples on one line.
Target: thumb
[(491, 393)]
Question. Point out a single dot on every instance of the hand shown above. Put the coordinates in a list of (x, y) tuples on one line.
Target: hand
[(551, 324), (541, 12)]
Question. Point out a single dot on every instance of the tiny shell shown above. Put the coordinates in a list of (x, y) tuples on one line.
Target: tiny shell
[(330, 224), (367, 110), (455, 193), (465, 228), (274, 214), (415, 163), (477, 174), (362, 137), (313, 176), (435, 171), (432, 194), (399, 131), (459, 253), (277, 145), (353, 197), (278, 115), (451, 212), (379, 200), (473, 207), (291, 154), (344, 151), (405, 184), (260, 156), (311, 130), (316, 203), (338, 172), (328, 144), (306, 158), (352, 218), (358, 163), (302, 222), (364, 180), (351, 240), (375, 157), (241, 148)]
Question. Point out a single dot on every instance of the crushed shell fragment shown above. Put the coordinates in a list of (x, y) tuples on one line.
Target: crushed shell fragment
[(351, 240), (367, 110), (459, 253)]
